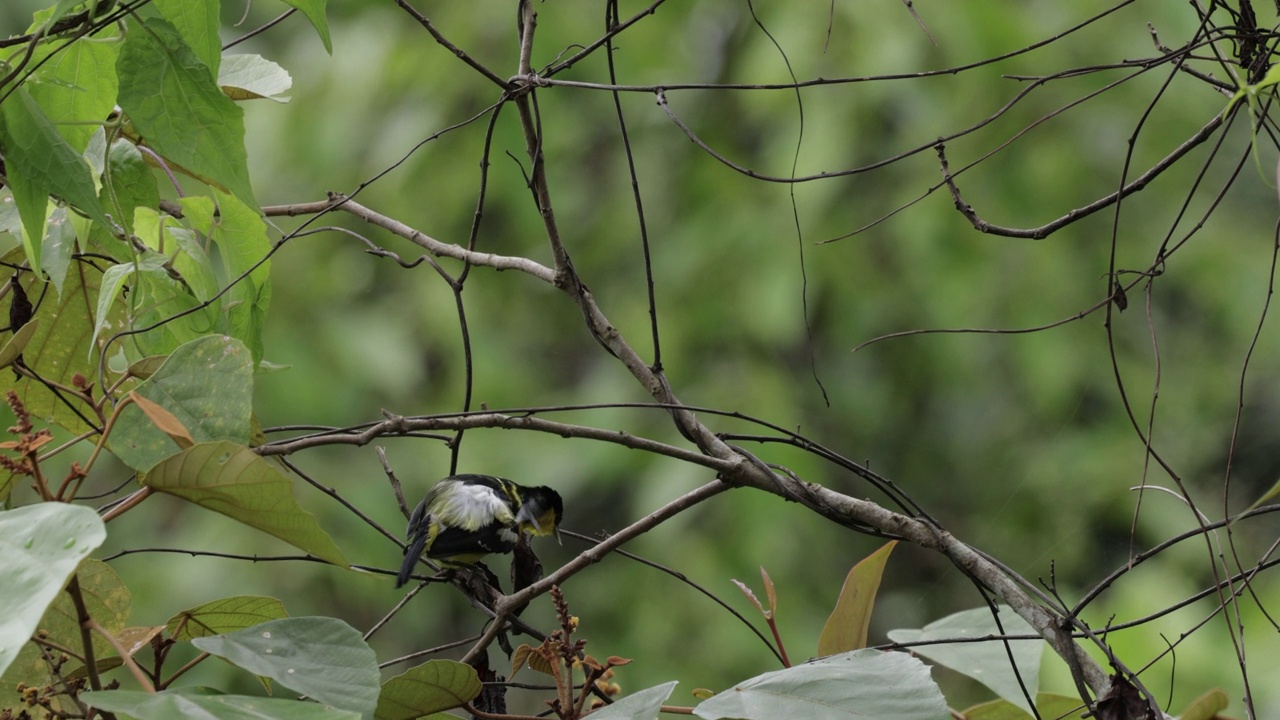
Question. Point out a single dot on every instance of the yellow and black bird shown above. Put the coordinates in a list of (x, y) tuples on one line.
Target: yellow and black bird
[(465, 517)]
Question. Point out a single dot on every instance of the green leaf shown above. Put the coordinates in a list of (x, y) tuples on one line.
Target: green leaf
[(18, 342), (241, 236), (76, 86), (428, 688), (171, 238), (321, 657), (174, 104), (1266, 496), (42, 545), (314, 10), (197, 23), (1059, 707), (58, 245), (148, 366), (233, 480), (198, 211), (643, 705), (861, 685), (130, 184), (984, 661), (206, 704), (10, 220), (208, 386), (225, 615), (193, 263), (112, 280), (246, 77), (42, 19), (174, 317), (40, 163), (32, 201), (846, 629), (1271, 79)]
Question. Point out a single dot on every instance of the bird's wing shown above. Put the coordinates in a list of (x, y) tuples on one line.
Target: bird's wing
[(469, 506), (469, 545)]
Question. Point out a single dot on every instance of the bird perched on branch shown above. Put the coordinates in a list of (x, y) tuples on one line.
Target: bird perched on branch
[(466, 517)]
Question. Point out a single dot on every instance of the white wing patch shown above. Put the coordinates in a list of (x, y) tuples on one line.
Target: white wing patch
[(471, 507)]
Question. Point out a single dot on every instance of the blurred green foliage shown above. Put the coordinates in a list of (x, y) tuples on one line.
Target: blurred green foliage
[(1017, 443)]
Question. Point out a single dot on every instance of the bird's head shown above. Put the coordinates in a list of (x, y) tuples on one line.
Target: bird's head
[(540, 512)]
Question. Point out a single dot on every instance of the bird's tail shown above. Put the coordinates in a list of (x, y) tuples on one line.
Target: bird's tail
[(411, 556)]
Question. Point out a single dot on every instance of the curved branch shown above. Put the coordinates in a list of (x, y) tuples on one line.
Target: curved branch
[(1039, 233)]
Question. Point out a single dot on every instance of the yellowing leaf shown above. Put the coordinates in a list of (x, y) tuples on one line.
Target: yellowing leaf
[(846, 629), (1206, 707)]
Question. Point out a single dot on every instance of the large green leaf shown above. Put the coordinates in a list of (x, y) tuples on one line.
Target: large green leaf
[(428, 688), (197, 23), (643, 705), (846, 628), (861, 685), (233, 480), (225, 615), (76, 86), (207, 384), (173, 102), (321, 657), (984, 661), (207, 704), (42, 545), (39, 162)]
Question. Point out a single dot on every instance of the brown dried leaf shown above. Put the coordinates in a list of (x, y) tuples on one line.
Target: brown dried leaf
[(165, 421)]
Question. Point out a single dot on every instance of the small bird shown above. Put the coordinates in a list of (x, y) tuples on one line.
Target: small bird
[(465, 517)]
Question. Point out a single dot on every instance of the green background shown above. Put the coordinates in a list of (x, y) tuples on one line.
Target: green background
[(1017, 443)]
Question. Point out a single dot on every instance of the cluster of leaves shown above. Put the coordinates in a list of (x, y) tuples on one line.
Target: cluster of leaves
[(143, 340)]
